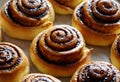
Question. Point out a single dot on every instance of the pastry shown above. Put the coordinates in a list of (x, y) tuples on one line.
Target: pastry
[(65, 7), (58, 51), (13, 63), (115, 52), (24, 19), (39, 77), (0, 32), (98, 19), (97, 71)]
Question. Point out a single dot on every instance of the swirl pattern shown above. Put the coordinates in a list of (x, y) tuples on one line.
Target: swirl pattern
[(27, 12), (97, 15), (118, 45), (61, 42), (98, 72), (39, 78), (9, 57)]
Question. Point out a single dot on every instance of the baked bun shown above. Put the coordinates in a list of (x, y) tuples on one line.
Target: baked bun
[(24, 19), (13, 63), (0, 34), (59, 51), (39, 77), (64, 6), (97, 71), (0, 31), (115, 52), (98, 19)]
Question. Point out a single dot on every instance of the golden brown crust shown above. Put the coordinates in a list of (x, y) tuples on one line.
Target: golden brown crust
[(39, 77), (59, 60), (13, 63), (115, 52), (0, 31), (65, 6), (97, 71), (20, 22), (95, 23)]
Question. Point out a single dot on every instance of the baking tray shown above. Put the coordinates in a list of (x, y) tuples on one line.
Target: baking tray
[(99, 53)]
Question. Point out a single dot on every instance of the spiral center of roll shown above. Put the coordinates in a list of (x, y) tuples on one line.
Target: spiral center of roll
[(30, 4), (5, 54), (9, 57), (105, 4), (58, 36), (97, 72), (28, 12), (61, 34), (61, 39)]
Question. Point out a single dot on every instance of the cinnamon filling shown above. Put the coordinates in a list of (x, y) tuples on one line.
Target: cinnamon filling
[(27, 12), (99, 14), (118, 46), (97, 73), (63, 47), (9, 57), (50, 61)]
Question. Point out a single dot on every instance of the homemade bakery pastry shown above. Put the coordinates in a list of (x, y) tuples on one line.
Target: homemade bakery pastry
[(98, 21), (0, 34), (39, 77), (115, 52), (97, 71), (24, 19), (13, 63), (65, 6), (59, 51)]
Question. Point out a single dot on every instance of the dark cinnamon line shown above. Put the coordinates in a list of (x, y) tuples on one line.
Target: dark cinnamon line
[(75, 45), (85, 77), (17, 62), (117, 45), (8, 14), (47, 60), (80, 16)]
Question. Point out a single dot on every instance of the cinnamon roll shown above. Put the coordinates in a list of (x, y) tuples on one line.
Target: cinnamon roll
[(98, 19), (13, 63), (0, 34), (64, 6), (97, 71), (39, 77), (59, 51), (115, 52), (24, 19)]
